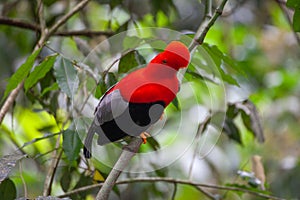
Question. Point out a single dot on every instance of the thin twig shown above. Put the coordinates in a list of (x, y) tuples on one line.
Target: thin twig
[(19, 23), (234, 8), (208, 9), (43, 28), (56, 155), (7, 6), (205, 26), (35, 27), (88, 33), (177, 181), (197, 139), (67, 16), (9, 101), (22, 179), (196, 184), (208, 194), (128, 152), (286, 14), (174, 191)]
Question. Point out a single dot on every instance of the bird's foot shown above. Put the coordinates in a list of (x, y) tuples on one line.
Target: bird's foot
[(144, 136)]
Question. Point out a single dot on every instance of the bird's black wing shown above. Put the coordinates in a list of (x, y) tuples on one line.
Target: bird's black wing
[(111, 105)]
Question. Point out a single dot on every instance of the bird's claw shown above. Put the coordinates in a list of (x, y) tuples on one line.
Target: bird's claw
[(144, 136)]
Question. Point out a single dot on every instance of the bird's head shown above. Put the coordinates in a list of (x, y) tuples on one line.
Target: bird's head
[(176, 55)]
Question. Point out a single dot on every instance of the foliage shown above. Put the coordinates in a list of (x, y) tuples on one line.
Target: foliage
[(296, 6), (242, 81)]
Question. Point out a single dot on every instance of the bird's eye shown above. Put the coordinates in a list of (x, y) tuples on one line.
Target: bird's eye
[(164, 61)]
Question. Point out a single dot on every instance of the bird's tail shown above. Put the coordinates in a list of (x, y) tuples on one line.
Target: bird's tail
[(87, 149)]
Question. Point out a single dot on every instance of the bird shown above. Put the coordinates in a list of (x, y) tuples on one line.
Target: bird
[(138, 100)]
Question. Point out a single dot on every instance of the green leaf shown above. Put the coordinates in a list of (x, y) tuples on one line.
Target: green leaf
[(71, 144), (223, 122), (214, 52), (100, 89), (21, 73), (47, 81), (246, 187), (293, 4), (163, 172), (122, 28), (54, 86), (192, 76), (219, 59), (65, 180), (116, 190), (232, 131), (54, 102), (229, 79), (162, 5), (110, 80), (129, 61), (175, 102), (251, 119), (40, 71), (131, 42), (153, 143), (49, 2), (217, 120), (8, 190), (296, 20), (232, 111), (83, 181), (66, 76)]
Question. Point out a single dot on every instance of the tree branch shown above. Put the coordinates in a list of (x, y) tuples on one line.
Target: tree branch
[(56, 155), (174, 181), (128, 152), (284, 9), (200, 128), (206, 25), (35, 27), (43, 28), (9, 101), (174, 191), (19, 23), (65, 18), (88, 33)]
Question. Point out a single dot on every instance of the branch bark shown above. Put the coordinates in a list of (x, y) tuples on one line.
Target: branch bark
[(128, 152), (284, 9), (206, 25), (67, 16), (56, 155), (35, 27), (19, 23)]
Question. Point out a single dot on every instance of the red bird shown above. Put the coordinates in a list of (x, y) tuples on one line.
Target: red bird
[(138, 100)]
